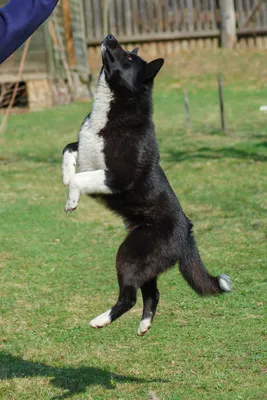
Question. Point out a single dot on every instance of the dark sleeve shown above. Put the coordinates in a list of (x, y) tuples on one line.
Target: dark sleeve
[(18, 20)]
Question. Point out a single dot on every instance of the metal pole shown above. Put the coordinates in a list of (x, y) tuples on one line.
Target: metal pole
[(220, 84), (186, 107)]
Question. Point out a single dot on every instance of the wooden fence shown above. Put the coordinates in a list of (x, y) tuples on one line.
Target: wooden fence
[(159, 20), (251, 16)]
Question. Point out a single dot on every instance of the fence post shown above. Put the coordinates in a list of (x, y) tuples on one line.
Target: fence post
[(186, 108), (228, 23), (221, 102)]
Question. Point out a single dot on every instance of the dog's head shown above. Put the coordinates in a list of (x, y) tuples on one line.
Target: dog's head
[(125, 71)]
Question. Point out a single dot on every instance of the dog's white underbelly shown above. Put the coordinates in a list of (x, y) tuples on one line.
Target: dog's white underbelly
[(90, 152), (91, 144)]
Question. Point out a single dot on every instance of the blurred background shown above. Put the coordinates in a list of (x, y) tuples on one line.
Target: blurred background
[(64, 53)]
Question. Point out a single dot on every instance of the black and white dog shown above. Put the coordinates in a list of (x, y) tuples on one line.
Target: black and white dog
[(118, 161)]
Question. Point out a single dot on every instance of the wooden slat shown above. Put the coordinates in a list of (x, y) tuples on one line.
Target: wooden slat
[(155, 36), (148, 21), (175, 15), (247, 7), (119, 10), (150, 13), (112, 19), (182, 11), (251, 31), (80, 37), (105, 16), (11, 75), (98, 19), (135, 17), (67, 20), (142, 13), (206, 15), (239, 7), (190, 15), (159, 16), (261, 14), (128, 18), (89, 18), (198, 13), (212, 6), (257, 17), (264, 14), (166, 15)]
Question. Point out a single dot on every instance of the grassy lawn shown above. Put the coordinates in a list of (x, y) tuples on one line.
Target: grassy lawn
[(58, 271)]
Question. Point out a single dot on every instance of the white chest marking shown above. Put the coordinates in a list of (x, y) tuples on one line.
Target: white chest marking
[(90, 153)]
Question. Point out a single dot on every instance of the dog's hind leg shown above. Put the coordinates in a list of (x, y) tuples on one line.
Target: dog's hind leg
[(128, 284), (126, 300), (137, 265), (150, 296)]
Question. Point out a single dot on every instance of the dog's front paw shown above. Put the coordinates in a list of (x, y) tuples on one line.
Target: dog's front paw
[(71, 205)]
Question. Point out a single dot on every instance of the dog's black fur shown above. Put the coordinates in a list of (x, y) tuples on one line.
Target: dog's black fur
[(159, 233)]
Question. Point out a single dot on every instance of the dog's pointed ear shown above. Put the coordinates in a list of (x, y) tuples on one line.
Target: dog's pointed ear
[(135, 51), (153, 68)]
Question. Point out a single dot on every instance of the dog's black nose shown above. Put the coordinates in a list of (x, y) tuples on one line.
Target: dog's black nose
[(110, 37)]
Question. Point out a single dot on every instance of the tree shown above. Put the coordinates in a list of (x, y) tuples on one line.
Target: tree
[(228, 23)]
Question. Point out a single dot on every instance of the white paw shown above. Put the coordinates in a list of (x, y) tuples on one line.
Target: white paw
[(144, 326), (71, 205), (101, 320), (225, 283)]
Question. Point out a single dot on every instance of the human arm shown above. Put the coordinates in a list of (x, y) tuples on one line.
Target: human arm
[(18, 20)]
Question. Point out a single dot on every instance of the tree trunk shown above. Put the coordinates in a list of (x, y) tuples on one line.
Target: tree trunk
[(228, 23)]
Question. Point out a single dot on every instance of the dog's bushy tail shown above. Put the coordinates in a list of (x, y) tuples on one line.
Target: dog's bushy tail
[(196, 275)]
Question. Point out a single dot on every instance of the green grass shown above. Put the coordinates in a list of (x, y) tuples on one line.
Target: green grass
[(58, 271)]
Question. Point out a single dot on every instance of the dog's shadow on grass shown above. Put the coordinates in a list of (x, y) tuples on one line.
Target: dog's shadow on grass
[(71, 380)]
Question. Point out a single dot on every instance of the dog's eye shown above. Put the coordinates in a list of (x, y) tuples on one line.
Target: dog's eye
[(130, 57)]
